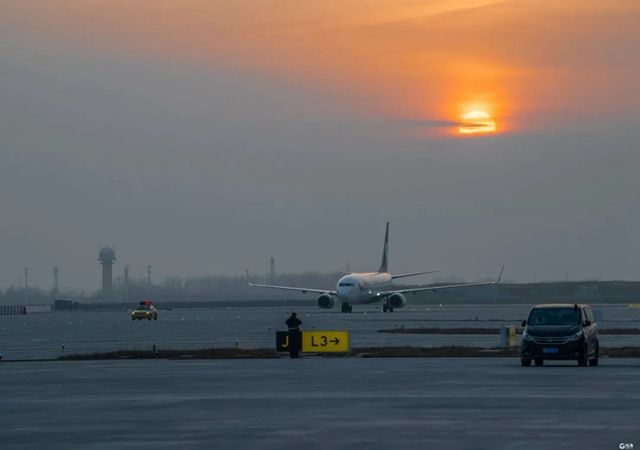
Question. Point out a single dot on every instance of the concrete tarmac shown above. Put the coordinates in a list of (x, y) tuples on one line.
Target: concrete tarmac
[(43, 335), (325, 403)]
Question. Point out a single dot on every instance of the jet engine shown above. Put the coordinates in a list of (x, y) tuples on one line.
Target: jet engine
[(325, 301), (397, 300)]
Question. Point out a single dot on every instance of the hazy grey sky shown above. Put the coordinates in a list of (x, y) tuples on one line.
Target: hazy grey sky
[(203, 167)]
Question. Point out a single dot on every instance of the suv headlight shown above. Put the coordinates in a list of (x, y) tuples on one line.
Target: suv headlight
[(575, 336), (526, 336)]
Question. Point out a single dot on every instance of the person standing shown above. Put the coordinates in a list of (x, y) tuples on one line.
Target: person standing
[(295, 336)]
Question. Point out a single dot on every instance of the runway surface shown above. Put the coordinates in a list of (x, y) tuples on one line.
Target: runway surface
[(43, 335), (326, 403)]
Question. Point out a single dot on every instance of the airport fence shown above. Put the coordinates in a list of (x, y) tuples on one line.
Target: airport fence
[(15, 310)]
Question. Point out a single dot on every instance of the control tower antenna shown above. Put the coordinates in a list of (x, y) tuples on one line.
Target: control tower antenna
[(107, 257)]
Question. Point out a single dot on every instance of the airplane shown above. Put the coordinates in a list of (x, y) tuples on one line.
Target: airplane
[(372, 287)]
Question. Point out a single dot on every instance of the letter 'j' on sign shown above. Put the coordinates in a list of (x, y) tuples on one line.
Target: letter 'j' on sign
[(282, 341), (325, 341)]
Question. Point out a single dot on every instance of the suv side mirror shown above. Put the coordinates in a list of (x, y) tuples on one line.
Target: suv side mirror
[(587, 323), (524, 323)]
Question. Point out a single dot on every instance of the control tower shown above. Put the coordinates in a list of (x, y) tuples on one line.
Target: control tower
[(107, 257)]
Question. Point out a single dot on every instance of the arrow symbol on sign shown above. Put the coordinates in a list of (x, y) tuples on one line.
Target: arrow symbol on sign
[(335, 341)]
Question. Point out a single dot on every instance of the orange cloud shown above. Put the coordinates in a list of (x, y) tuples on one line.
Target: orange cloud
[(525, 62)]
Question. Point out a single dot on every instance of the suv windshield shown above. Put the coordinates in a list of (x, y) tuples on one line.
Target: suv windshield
[(554, 316)]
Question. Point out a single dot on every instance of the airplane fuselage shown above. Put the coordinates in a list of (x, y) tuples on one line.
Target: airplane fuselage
[(361, 288)]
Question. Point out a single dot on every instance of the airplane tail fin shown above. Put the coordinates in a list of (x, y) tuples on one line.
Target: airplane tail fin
[(383, 265)]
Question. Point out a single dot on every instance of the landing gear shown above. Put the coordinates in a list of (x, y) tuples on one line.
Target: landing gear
[(387, 308), (539, 361), (346, 308), (525, 362)]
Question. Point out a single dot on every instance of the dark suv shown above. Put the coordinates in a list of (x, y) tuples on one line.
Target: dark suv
[(560, 332)]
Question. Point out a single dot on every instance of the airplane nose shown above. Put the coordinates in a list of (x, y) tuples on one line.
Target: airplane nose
[(344, 291)]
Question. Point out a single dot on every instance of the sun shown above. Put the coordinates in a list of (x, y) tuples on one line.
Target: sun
[(477, 122)]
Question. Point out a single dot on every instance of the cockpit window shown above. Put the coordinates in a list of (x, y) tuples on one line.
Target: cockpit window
[(345, 284), (554, 316)]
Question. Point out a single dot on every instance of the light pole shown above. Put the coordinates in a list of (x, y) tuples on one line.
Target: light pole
[(26, 285)]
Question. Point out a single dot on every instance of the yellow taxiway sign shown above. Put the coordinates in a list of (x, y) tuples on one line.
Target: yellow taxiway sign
[(325, 341)]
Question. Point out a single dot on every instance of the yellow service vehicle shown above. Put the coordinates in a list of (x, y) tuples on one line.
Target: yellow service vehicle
[(145, 311)]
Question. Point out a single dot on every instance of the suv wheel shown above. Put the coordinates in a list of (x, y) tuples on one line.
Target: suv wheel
[(594, 361), (525, 362), (582, 357)]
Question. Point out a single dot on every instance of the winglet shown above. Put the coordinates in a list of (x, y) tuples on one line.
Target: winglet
[(500, 276), (383, 265)]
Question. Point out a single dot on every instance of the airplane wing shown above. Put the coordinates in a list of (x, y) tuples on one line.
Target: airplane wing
[(291, 288), (438, 288), (412, 274)]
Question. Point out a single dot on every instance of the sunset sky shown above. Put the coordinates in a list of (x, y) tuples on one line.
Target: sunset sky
[(205, 136)]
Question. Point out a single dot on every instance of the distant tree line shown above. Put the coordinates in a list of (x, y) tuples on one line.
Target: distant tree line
[(234, 288), (176, 289)]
